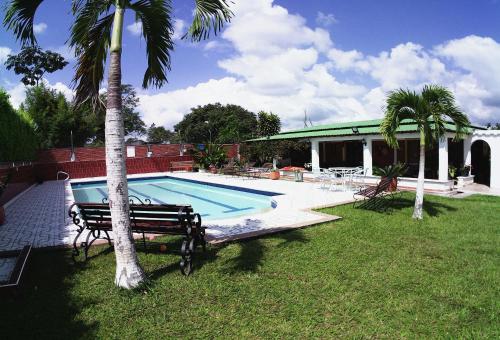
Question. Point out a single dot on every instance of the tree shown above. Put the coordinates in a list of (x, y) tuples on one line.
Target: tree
[(430, 110), (133, 124), (268, 124), (217, 123), (158, 134), (97, 31), (33, 63), (491, 126), (54, 118), (17, 133)]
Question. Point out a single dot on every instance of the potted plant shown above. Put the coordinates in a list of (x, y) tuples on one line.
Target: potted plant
[(274, 174), (452, 172), (391, 171)]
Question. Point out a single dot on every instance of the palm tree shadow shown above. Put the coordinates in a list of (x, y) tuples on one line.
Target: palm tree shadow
[(252, 251), (200, 257), (432, 208)]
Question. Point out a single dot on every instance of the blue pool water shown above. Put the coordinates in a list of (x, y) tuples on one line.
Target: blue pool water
[(212, 201)]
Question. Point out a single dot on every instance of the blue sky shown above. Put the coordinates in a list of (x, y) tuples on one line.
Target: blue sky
[(336, 59)]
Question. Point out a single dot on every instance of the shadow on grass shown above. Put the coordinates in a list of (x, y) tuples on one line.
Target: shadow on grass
[(432, 208), (385, 205), (173, 246), (43, 306), (252, 252)]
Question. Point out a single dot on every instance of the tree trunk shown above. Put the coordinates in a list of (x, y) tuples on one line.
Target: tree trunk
[(129, 273), (419, 199)]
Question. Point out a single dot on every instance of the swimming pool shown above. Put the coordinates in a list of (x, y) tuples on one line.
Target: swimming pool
[(212, 201)]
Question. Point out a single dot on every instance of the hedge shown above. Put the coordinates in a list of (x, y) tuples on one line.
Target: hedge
[(18, 141)]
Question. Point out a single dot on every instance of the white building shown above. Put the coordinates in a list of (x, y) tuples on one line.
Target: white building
[(361, 144)]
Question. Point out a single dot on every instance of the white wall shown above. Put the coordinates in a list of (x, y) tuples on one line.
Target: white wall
[(492, 137)]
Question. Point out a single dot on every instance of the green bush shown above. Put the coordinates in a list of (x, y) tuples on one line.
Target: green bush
[(18, 141)]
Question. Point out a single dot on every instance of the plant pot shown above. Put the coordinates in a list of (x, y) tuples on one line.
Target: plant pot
[(213, 170), (299, 176), (394, 184), (274, 175), (2, 215)]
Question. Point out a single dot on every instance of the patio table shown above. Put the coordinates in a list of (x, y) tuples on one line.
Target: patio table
[(344, 173)]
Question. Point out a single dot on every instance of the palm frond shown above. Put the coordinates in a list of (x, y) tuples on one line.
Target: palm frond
[(92, 48), (157, 30), (19, 17), (442, 106), (401, 104), (209, 15)]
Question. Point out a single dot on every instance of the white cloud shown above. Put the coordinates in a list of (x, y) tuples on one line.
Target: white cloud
[(325, 20), (4, 53), (477, 55), (179, 26), (17, 92), (135, 29), (260, 27), (40, 28)]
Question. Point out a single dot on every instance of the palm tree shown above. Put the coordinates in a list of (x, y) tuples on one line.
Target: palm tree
[(95, 33), (431, 110)]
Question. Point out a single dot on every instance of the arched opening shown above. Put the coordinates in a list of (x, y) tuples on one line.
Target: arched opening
[(481, 162)]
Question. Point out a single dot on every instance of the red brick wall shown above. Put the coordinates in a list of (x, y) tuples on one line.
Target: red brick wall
[(99, 153), (90, 162), (21, 179)]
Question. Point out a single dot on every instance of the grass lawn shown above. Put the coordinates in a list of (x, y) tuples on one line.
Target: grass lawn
[(372, 274)]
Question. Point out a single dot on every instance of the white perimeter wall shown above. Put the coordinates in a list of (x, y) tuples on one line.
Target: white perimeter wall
[(492, 137)]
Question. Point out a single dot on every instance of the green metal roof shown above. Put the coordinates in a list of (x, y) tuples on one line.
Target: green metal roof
[(365, 127)]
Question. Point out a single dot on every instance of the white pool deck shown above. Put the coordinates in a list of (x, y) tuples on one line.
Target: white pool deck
[(39, 215)]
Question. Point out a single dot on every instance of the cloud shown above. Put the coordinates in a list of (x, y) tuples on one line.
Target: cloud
[(40, 28), (325, 20), (260, 27), (279, 63), (179, 26), (17, 92), (135, 29), (4, 53)]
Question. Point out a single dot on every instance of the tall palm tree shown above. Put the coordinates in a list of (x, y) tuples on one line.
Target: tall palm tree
[(95, 33), (431, 110)]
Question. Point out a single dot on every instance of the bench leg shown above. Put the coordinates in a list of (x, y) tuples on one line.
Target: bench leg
[(76, 252), (187, 252)]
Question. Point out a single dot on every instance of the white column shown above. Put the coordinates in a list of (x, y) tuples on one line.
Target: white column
[(315, 154), (494, 142), (467, 153), (367, 156), (443, 159)]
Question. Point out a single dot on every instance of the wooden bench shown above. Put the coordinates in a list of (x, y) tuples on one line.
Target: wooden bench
[(375, 196), (145, 218), (182, 166)]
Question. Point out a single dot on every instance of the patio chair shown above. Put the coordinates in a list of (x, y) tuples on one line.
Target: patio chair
[(375, 196), (322, 176)]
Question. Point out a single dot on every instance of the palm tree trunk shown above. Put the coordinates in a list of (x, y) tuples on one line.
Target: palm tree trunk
[(129, 273), (419, 199)]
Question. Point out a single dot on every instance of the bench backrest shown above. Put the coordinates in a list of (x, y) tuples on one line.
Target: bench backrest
[(98, 215)]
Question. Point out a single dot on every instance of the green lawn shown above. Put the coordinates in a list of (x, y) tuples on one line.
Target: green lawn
[(372, 274)]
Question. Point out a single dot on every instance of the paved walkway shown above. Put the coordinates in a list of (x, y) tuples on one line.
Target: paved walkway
[(39, 215)]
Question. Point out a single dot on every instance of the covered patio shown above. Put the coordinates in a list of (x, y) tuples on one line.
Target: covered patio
[(360, 144)]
